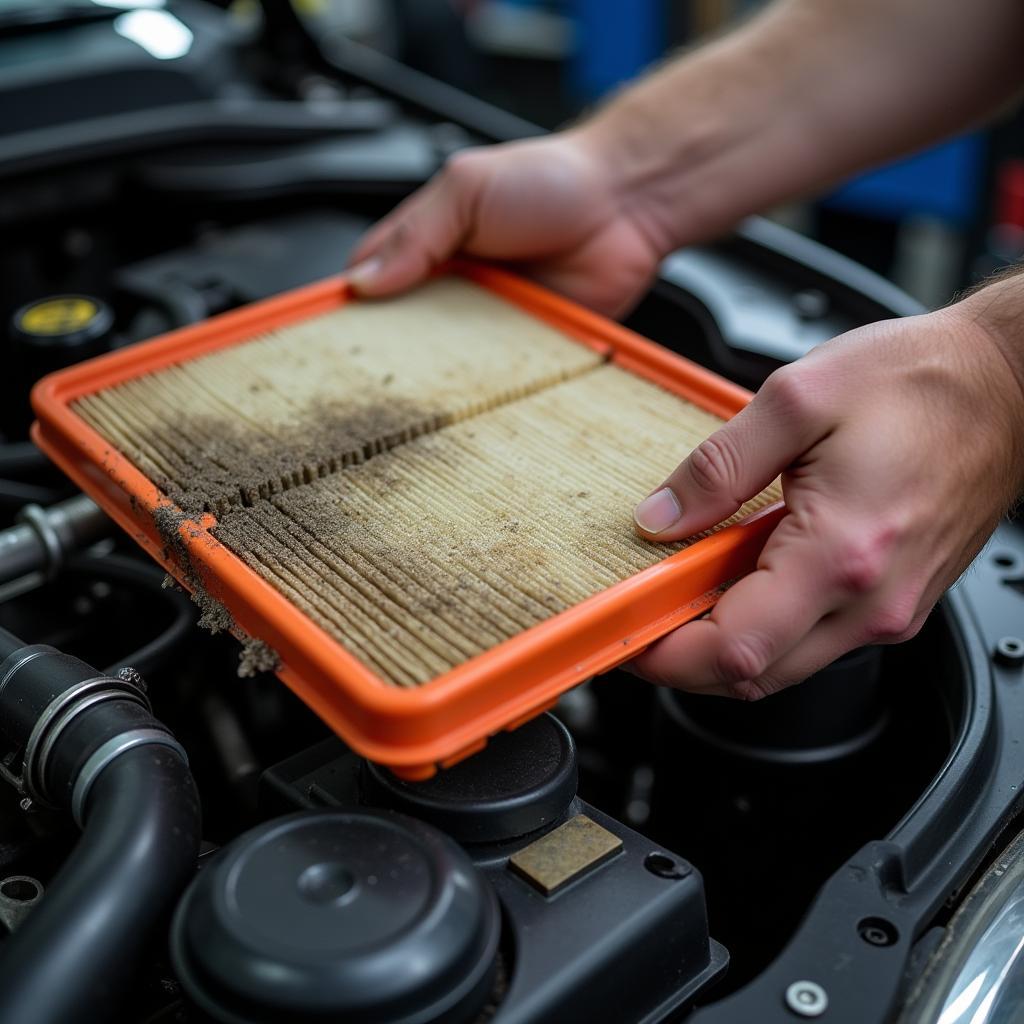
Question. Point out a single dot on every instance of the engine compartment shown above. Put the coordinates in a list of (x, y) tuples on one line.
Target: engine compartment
[(831, 829)]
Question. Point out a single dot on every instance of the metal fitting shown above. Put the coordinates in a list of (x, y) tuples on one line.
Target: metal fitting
[(110, 751), (57, 716), (1009, 651), (18, 895), (806, 999), (41, 537), (131, 675)]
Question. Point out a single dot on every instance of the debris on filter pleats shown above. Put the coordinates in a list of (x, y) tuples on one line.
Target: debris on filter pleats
[(249, 421), (256, 657), (213, 616)]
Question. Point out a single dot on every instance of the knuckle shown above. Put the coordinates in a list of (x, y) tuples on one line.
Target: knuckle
[(909, 633), (793, 390), (861, 562), (462, 164), (892, 622), (714, 464), (401, 233), (742, 658)]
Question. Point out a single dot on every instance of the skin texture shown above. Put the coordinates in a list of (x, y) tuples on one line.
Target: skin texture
[(546, 205), (900, 444)]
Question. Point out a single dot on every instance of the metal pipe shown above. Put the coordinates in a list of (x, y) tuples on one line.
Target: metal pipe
[(43, 537)]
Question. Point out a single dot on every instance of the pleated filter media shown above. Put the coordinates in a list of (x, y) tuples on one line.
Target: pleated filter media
[(423, 477)]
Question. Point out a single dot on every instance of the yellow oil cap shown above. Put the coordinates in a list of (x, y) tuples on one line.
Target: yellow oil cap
[(59, 330), (61, 316)]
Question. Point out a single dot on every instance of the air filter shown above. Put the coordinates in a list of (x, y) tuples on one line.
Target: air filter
[(419, 508)]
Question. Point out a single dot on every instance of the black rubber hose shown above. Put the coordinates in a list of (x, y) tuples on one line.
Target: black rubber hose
[(9, 643), (13, 493), (74, 956), (18, 457), (157, 652)]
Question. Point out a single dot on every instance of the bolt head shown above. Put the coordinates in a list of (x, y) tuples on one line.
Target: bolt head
[(806, 999), (131, 675), (1009, 651)]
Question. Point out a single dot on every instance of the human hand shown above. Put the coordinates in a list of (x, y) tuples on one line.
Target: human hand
[(900, 446), (547, 205)]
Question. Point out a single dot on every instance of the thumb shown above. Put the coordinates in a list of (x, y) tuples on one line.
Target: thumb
[(403, 249), (729, 467)]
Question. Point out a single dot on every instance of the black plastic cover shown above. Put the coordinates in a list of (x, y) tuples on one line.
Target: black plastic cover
[(520, 782), (363, 916)]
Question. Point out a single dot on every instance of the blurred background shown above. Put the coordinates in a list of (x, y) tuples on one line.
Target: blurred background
[(933, 223)]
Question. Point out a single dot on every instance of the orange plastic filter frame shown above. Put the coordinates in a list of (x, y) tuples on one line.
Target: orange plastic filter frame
[(412, 731)]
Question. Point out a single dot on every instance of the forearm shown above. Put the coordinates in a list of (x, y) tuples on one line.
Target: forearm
[(807, 93)]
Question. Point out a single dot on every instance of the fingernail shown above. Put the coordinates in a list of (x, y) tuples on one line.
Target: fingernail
[(658, 512), (362, 274)]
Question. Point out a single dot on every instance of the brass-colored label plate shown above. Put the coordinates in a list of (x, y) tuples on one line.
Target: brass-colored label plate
[(564, 854)]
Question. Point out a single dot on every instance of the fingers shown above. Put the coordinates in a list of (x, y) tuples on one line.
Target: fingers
[(808, 603), (755, 624), (737, 461), (833, 637), (830, 639), (424, 231)]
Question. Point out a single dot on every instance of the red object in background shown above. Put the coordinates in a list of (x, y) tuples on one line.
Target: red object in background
[(1004, 240), (1010, 193)]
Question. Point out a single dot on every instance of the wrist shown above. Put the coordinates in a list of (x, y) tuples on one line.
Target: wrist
[(994, 315), (990, 327), (717, 134), (655, 179)]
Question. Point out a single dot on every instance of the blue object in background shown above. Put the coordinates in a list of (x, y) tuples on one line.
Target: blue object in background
[(942, 182), (615, 41)]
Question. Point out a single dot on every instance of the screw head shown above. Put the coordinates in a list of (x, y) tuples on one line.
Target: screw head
[(806, 999), (877, 931), (1009, 651), (130, 675)]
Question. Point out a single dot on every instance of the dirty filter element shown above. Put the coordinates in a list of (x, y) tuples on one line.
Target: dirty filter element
[(297, 403), (424, 478)]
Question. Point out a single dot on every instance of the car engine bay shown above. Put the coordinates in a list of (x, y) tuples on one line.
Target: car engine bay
[(842, 850)]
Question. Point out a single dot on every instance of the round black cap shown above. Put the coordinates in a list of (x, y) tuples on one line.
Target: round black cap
[(520, 782), (362, 916)]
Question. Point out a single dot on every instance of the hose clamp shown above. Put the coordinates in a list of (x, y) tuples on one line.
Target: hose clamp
[(110, 751), (37, 517), (57, 716)]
